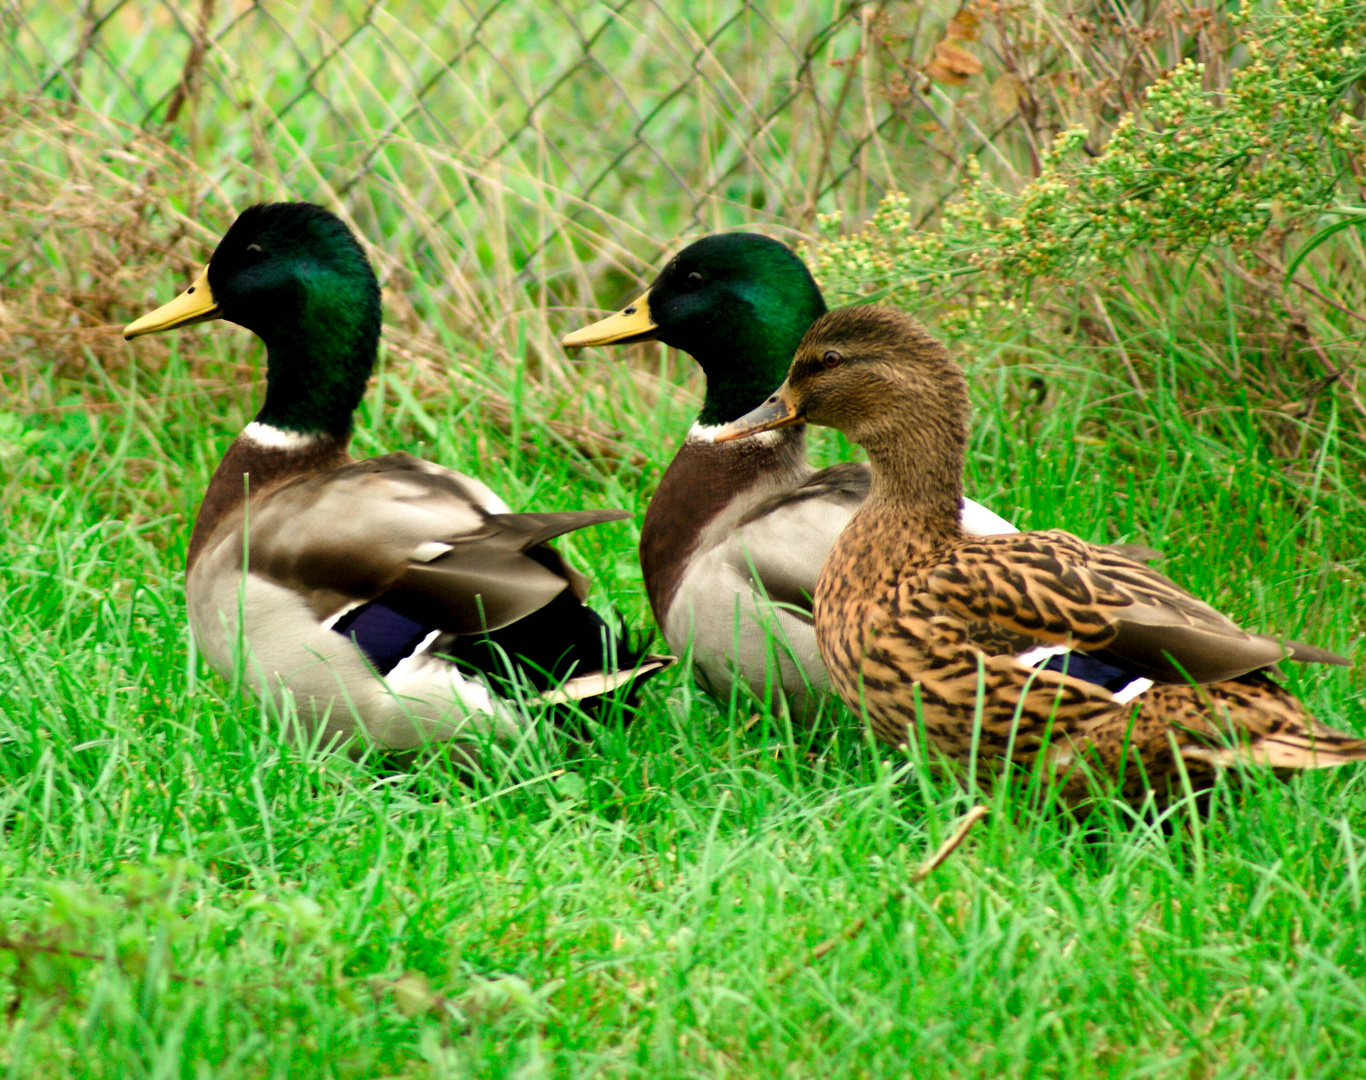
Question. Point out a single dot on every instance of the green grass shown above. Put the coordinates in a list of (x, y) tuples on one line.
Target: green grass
[(185, 889), (187, 892)]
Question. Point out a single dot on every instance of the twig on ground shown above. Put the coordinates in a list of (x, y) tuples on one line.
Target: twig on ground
[(924, 870)]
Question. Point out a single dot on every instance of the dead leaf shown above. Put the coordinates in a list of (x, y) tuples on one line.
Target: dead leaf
[(952, 65), (965, 26), (1007, 92)]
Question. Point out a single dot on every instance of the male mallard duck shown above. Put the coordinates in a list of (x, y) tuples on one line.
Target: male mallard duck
[(922, 624), (735, 535), (366, 586)]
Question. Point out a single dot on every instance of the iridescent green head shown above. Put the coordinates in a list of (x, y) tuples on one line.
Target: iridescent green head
[(294, 275), (737, 303)]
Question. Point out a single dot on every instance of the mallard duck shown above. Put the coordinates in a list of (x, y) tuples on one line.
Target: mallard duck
[(380, 595), (735, 535), (1060, 643)]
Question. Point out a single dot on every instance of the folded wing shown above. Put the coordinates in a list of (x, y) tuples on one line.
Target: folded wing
[(419, 535), (1053, 588)]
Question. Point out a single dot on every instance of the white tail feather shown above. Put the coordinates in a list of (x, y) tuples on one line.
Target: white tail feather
[(600, 682)]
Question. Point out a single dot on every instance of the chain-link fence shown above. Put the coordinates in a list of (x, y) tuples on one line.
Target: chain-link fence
[(513, 165), (711, 114)]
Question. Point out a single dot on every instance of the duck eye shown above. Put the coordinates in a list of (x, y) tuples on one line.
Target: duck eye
[(696, 277), (832, 359), (256, 251)]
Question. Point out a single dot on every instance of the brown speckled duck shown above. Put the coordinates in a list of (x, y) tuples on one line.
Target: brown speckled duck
[(384, 597), (1098, 654)]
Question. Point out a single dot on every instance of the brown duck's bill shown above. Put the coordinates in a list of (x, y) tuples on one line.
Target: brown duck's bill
[(631, 323), (778, 411), (196, 304)]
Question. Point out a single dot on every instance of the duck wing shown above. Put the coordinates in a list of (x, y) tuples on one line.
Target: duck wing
[(421, 535), (781, 543), (1055, 589)]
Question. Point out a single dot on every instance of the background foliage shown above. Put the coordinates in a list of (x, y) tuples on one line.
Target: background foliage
[(1136, 223)]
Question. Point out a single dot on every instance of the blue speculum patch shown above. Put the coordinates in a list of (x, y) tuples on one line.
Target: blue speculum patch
[(1090, 669), (384, 635)]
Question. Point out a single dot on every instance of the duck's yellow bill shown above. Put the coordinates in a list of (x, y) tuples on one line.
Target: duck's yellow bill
[(195, 304), (778, 411), (631, 323)]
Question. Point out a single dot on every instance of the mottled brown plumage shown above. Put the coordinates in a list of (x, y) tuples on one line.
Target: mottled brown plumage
[(921, 626)]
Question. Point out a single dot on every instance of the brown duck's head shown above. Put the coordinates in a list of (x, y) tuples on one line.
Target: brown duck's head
[(875, 374)]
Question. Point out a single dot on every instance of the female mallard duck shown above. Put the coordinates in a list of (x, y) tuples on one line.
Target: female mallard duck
[(735, 535), (380, 595), (1057, 642)]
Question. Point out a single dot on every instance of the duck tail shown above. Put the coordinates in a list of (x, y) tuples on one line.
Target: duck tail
[(598, 683), (1318, 747), (1301, 744), (618, 660), (1265, 725)]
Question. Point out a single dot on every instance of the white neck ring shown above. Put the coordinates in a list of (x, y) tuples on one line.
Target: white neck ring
[(273, 438)]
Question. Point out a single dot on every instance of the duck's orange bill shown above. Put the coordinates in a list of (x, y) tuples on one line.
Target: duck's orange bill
[(778, 411)]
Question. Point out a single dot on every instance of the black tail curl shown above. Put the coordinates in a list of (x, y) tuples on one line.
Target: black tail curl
[(564, 639)]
